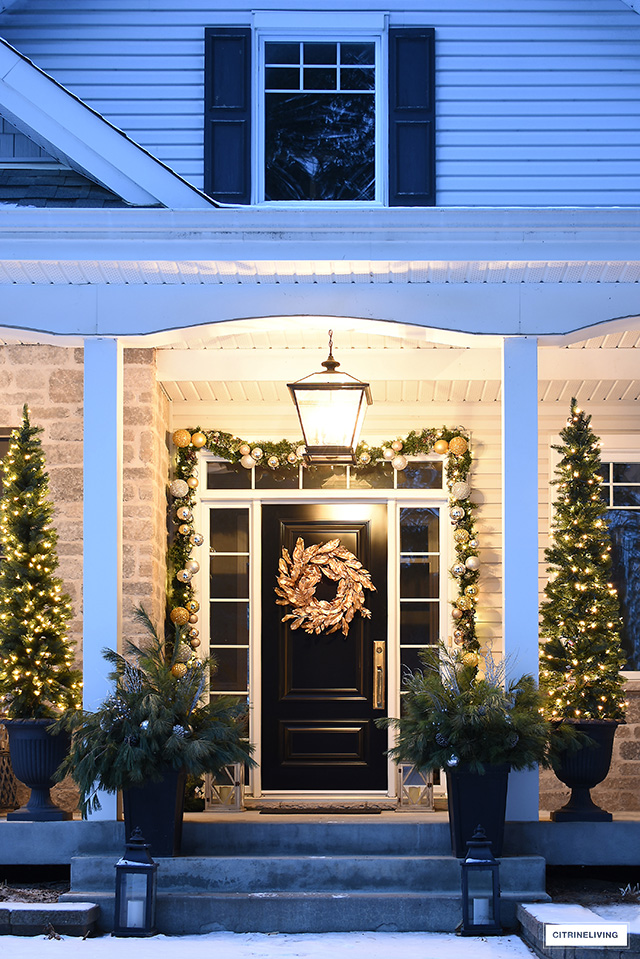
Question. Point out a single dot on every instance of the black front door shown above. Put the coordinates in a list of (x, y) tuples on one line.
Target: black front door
[(318, 707)]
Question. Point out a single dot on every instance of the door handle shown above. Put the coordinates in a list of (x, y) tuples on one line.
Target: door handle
[(379, 673)]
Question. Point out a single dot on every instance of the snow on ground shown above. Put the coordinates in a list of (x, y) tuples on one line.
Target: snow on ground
[(254, 945)]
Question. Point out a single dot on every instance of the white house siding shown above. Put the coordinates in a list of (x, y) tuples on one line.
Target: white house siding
[(537, 102)]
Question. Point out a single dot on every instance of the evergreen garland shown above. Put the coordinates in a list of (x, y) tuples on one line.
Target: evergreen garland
[(287, 455), (580, 656), (450, 716), (37, 675), (153, 719)]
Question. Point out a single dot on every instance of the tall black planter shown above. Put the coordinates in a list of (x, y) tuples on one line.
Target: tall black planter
[(474, 800), (157, 809), (35, 756), (583, 769)]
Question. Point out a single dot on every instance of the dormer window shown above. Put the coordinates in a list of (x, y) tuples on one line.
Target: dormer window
[(319, 119)]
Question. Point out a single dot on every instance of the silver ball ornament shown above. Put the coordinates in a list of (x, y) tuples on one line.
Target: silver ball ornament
[(184, 514), (183, 576), (399, 462), (458, 569), (273, 462), (256, 452), (196, 539), (388, 453), (460, 490), (244, 450), (248, 461), (193, 566), (456, 514), (472, 563), (453, 760), (179, 488)]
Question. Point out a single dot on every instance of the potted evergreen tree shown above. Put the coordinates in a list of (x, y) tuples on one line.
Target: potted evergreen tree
[(150, 732), (580, 654), (477, 726), (38, 679)]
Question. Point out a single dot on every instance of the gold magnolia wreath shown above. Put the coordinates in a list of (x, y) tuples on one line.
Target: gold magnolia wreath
[(299, 575)]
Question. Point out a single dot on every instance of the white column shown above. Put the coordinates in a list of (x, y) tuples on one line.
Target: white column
[(520, 535), (102, 518)]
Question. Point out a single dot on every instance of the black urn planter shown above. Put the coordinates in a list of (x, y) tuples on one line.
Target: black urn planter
[(35, 756), (476, 799), (156, 807), (583, 769)]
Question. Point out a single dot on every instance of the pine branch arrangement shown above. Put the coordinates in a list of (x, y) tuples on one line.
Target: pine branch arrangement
[(37, 675), (155, 718), (451, 716), (580, 656)]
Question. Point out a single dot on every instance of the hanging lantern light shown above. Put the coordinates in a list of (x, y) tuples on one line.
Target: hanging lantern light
[(331, 408)]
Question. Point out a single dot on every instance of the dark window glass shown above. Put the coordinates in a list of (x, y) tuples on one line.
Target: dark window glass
[(266, 478), (356, 79), (626, 472), (410, 659), (418, 475), (626, 496), (282, 52), (624, 527), (325, 477), (419, 530), (229, 577), (282, 78), (229, 624), (320, 78), (221, 475), (376, 476), (419, 623), (320, 53), (351, 53), (229, 530), (232, 674), (419, 577)]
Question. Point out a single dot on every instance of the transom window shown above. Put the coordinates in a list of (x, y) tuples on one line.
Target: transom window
[(320, 118), (621, 490)]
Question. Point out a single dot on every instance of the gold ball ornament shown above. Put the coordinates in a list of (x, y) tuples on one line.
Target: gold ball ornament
[(458, 445), (192, 482), (184, 514), (460, 535), (456, 613), (465, 603), (194, 643), (193, 605), (456, 514), (256, 452), (458, 635), (300, 451), (470, 659), (193, 619), (184, 529), (196, 539), (273, 462), (183, 653), (179, 616), (364, 458), (181, 438), (193, 633), (292, 458), (179, 670), (458, 569), (183, 576), (397, 445), (441, 447), (460, 490), (198, 439), (399, 462), (244, 450), (179, 488), (472, 563), (471, 590)]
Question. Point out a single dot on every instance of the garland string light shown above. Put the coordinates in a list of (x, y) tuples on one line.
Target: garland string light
[(286, 455)]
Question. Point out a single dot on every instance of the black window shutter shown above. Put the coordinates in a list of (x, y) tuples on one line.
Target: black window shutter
[(227, 114), (411, 117)]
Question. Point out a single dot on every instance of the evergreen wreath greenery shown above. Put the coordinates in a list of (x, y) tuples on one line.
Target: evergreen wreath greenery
[(151, 721), (452, 717), (38, 678), (580, 655)]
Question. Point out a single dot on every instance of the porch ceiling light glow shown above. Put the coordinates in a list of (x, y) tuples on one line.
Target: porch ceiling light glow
[(331, 406)]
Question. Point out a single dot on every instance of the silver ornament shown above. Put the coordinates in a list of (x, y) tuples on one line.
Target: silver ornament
[(472, 563), (144, 724), (248, 461), (388, 453), (453, 760), (179, 488), (183, 576), (399, 462), (245, 449), (460, 490), (184, 514), (256, 452), (456, 514), (193, 566), (179, 731), (273, 462), (196, 539), (458, 569)]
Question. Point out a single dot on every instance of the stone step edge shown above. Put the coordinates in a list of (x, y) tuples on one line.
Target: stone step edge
[(74, 918), (531, 930), (170, 896)]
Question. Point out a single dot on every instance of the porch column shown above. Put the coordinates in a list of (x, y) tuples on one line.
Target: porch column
[(102, 519), (520, 535)]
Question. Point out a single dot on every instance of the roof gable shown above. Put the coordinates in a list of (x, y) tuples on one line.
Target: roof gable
[(69, 130)]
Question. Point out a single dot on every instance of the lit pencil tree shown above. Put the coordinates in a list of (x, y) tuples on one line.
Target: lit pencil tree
[(580, 657), (37, 675)]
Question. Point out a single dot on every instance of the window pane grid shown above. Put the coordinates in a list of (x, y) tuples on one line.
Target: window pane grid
[(345, 68), (419, 474), (229, 606), (621, 485)]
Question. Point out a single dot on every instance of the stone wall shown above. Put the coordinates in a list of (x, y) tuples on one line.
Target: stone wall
[(620, 792)]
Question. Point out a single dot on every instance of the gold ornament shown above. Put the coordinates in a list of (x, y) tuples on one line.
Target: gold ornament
[(184, 529), (183, 576), (183, 653), (193, 633), (193, 619), (456, 613), (456, 514), (179, 616), (273, 462), (388, 453), (299, 575), (470, 659), (458, 635), (181, 438), (458, 445), (196, 539), (198, 439), (184, 514), (460, 535), (364, 458), (291, 458), (193, 605), (458, 569), (471, 590), (465, 602), (179, 670), (441, 447), (192, 482), (256, 452), (397, 445), (244, 450), (194, 643)]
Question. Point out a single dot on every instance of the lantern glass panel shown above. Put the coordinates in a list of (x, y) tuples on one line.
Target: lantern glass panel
[(331, 417), (133, 900), (481, 897)]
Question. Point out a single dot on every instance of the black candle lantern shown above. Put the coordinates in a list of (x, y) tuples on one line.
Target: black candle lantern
[(136, 890), (480, 888)]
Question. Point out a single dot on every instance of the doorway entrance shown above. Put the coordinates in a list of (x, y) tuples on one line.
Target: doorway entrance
[(321, 694)]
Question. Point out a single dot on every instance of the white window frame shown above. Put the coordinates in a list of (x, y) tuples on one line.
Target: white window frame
[(313, 29), (394, 499)]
